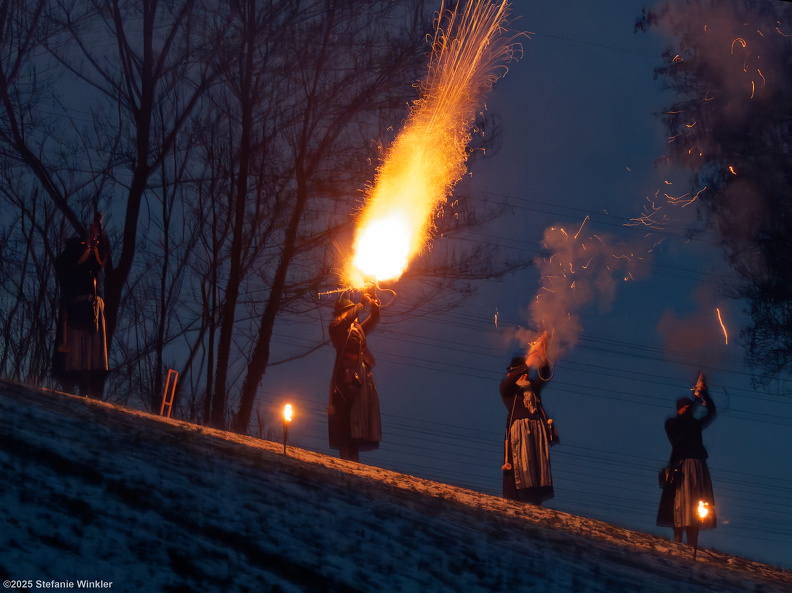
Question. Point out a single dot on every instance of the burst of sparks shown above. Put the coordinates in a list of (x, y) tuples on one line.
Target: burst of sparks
[(469, 53)]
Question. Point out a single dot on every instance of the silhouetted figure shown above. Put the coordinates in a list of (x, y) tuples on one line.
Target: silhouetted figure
[(529, 433), (689, 480), (80, 357), (354, 423)]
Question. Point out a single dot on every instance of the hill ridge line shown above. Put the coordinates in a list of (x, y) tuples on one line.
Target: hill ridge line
[(258, 454)]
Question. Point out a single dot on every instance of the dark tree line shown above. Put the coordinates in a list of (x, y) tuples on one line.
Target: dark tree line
[(729, 66), (227, 144)]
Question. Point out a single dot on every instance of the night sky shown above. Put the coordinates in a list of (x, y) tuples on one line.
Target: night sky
[(580, 140)]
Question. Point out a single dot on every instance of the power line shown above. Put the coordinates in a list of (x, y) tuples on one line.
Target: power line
[(620, 484)]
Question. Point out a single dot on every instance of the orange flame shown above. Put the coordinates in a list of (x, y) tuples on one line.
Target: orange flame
[(287, 413), (427, 158), (703, 509)]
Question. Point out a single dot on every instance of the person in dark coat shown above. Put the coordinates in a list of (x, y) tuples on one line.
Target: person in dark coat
[(529, 432), (689, 485), (354, 423), (80, 356)]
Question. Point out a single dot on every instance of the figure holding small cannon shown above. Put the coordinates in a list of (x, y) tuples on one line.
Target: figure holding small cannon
[(688, 485), (354, 422), (529, 432)]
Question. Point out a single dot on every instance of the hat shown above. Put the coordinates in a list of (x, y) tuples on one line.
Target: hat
[(342, 305), (682, 402)]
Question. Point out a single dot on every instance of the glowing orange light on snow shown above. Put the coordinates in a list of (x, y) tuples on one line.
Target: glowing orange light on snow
[(287, 413), (427, 158)]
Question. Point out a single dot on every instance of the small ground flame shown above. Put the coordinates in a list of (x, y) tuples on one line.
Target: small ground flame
[(470, 51), (287, 418), (703, 509)]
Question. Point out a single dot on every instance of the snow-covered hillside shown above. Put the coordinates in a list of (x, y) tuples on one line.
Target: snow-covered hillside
[(132, 502)]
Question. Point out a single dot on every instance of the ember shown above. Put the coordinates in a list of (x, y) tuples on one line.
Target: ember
[(723, 326)]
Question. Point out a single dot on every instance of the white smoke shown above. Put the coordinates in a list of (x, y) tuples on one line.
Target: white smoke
[(578, 271)]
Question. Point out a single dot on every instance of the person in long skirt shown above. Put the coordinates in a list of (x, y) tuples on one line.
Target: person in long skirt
[(80, 357), (689, 485), (354, 422), (529, 433)]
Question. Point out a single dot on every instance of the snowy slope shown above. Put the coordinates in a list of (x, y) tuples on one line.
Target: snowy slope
[(95, 492)]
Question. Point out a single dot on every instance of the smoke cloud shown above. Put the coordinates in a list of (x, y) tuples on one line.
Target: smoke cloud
[(697, 335), (578, 271)]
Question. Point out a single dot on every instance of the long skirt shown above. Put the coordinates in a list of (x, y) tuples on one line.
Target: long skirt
[(530, 480), (690, 488), (81, 341), (354, 414)]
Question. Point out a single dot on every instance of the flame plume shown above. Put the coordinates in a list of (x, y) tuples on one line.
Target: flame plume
[(469, 53)]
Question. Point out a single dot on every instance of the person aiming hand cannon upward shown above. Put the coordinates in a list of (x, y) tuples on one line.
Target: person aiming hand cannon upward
[(688, 484), (354, 422), (529, 432)]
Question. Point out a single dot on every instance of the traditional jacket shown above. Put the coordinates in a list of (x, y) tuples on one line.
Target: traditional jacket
[(353, 413), (527, 474), (684, 431)]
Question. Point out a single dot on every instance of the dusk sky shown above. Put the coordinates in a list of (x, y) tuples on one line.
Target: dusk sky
[(580, 144), (634, 313)]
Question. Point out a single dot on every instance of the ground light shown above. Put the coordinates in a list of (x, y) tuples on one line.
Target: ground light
[(287, 418), (703, 510)]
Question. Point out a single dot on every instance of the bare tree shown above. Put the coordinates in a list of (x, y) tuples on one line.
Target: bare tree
[(730, 68), (300, 85), (26, 240), (229, 144), (136, 87)]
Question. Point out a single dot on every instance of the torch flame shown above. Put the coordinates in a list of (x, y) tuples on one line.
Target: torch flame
[(287, 413), (703, 509), (428, 156)]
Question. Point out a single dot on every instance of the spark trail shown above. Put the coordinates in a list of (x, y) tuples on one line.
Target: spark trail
[(470, 50)]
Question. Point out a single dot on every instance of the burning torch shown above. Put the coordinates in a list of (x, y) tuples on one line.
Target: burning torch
[(287, 418), (703, 511)]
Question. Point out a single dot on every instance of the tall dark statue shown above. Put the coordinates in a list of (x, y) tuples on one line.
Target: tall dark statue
[(529, 432), (354, 423), (689, 485), (80, 358)]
